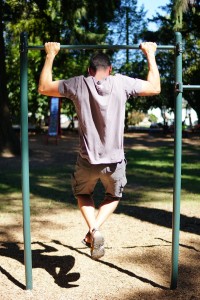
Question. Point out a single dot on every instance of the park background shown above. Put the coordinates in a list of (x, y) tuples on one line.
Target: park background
[(138, 237), (83, 22)]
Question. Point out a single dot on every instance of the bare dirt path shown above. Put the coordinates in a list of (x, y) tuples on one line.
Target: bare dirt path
[(138, 253)]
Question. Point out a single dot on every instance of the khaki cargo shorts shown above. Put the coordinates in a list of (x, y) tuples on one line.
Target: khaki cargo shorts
[(86, 176)]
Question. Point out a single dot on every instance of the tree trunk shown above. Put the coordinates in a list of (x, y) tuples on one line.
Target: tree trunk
[(8, 138)]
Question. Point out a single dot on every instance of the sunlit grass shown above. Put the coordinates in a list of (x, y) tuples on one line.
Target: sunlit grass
[(149, 173)]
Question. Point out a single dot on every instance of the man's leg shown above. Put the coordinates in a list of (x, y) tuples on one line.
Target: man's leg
[(87, 208), (113, 179), (106, 208), (93, 238)]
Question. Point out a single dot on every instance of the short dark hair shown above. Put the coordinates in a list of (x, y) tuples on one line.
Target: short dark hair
[(99, 60)]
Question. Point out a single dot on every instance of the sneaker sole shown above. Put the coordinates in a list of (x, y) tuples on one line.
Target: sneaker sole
[(97, 249)]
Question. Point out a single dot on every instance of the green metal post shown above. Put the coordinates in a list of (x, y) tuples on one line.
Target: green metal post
[(25, 158), (177, 162)]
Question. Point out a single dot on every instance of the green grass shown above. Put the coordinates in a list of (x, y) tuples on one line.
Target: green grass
[(149, 174), (47, 186)]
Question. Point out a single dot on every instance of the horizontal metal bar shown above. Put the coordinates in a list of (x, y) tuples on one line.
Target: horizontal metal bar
[(191, 87), (110, 47)]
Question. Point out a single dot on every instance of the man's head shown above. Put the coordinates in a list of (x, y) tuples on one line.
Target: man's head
[(99, 62)]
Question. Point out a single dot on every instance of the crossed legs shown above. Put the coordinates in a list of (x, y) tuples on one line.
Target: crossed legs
[(87, 208), (84, 180)]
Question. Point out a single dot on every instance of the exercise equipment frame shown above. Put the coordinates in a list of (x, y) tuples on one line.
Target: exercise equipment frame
[(179, 87)]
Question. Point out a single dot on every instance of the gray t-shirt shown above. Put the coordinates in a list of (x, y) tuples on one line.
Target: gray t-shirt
[(100, 107)]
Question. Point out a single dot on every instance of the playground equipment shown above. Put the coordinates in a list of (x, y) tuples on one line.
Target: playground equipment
[(179, 87)]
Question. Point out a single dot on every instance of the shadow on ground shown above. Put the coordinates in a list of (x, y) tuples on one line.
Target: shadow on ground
[(51, 263), (159, 217)]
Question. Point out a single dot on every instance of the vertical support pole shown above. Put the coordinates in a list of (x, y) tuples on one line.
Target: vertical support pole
[(127, 32), (177, 162), (25, 157)]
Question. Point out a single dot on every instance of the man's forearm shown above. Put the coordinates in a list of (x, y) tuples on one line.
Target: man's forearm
[(46, 74), (153, 76), (151, 86), (47, 86)]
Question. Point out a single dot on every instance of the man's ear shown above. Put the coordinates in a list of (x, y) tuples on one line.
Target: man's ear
[(91, 72), (110, 69)]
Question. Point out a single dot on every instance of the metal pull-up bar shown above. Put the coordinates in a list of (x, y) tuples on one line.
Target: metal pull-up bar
[(177, 146), (108, 47), (191, 87)]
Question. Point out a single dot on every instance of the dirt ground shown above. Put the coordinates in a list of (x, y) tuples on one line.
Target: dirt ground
[(137, 262)]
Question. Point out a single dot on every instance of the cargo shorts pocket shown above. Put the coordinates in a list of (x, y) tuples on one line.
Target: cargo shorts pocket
[(115, 180)]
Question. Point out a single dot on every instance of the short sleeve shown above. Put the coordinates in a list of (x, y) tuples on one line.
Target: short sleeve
[(68, 88), (132, 86)]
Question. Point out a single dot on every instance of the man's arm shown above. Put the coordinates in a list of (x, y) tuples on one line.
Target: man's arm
[(47, 86), (152, 85)]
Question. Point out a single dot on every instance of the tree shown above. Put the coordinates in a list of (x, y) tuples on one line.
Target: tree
[(65, 21), (180, 7), (191, 54), (8, 138), (125, 29), (190, 14)]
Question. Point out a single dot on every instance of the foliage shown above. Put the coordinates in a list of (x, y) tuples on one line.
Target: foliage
[(191, 54), (84, 22), (124, 29), (8, 138), (152, 118), (135, 117), (180, 6), (68, 22)]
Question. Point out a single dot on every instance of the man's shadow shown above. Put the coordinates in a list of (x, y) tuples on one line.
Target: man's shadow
[(58, 267)]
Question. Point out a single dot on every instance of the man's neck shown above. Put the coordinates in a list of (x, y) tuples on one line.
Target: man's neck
[(101, 75)]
